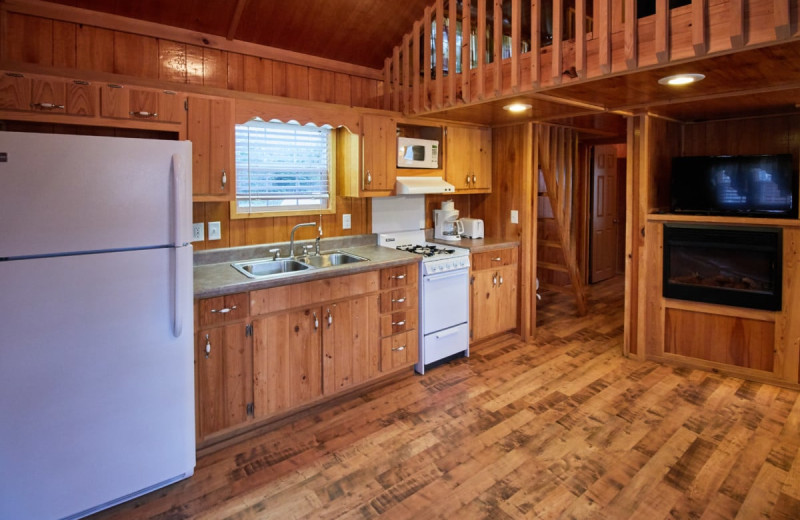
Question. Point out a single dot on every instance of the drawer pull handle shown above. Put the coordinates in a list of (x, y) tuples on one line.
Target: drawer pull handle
[(399, 349), (225, 310), (208, 346), (316, 321), (144, 114), (494, 279), (369, 177), (474, 179), (224, 179), (399, 323), (398, 276), (330, 318), (467, 178), (498, 259), (501, 280), (47, 106), (398, 300)]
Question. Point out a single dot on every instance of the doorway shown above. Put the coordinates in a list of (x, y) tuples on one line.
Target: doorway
[(607, 222)]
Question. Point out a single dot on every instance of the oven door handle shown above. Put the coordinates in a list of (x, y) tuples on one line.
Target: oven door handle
[(444, 276)]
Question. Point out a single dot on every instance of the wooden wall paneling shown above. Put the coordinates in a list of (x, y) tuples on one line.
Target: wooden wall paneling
[(199, 215), (235, 73), (654, 303), (557, 47), (497, 48), (783, 20), (342, 89), (632, 239), (452, 28), (528, 212), (787, 326), (37, 33), (296, 81), (415, 68), (407, 73), (439, 58), (172, 61), (640, 210), (387, 81), (135, 55), (279, 79), (64, 42), (699, 27), (426, 60), (603, 26), (257, 75), (736, 16), (321, 85), (631, 35), (215, 68), (466, 50), (580, 38), (396, 79), (479, 70), (94, 49), (194, 65)]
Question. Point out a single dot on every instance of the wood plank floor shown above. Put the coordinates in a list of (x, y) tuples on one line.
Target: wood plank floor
[(564, 427)]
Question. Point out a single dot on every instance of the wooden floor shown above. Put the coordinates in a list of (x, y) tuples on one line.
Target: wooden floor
[(561, 428)]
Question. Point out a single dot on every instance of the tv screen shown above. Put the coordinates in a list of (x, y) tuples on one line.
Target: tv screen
[(744, 185)]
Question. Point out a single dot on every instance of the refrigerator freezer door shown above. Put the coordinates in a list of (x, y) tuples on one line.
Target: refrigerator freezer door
[(96, 392), (66, 193)]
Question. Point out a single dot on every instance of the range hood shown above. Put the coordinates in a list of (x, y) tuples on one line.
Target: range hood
[(421, 185)]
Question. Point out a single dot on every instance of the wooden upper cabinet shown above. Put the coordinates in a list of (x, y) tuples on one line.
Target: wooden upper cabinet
[(121, 102), (46, 95), (379, 143), (469, 158), (210, 128)]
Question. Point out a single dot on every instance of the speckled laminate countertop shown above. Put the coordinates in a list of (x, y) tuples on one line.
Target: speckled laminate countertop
[(480, 245), (214, 276)]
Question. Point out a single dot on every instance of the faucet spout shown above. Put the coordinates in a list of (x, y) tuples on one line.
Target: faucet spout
[(291, 236)]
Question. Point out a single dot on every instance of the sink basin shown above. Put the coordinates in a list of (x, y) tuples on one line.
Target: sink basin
[(331, 259), (264, 268)]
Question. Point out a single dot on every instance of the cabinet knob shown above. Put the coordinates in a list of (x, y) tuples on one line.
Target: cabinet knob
[(47, 106), (144, 114), (224, 179), (208, 346), (398, 323), (399, 349), (226, 310), (497, 259), (398, 277), (398, 300)]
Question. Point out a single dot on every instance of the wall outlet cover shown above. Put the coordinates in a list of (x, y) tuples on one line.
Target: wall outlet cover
[(214, 231), (346, 222), (198, 231), (514, 217)]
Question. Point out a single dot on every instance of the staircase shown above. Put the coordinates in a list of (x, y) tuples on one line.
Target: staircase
[(557, 267)]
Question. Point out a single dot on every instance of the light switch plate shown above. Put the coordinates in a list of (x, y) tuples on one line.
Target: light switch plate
[(514, 217), (214, 231), (198, 230), (346, 223)]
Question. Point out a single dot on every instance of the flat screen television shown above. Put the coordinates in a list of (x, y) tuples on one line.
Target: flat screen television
[(734, 185)]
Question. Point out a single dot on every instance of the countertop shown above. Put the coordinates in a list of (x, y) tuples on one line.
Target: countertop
[(479, 245), (214, 276)]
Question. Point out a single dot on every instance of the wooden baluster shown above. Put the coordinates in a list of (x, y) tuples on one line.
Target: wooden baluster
[(396, 78), (783, 22), (736, 14), (516, 46), (387, 83), (452, 29), (415, 67), (466, 49), (603, 15), (481, 48), (406, 73), (497, 54), (569, 173), (662, 30), (558, 40), (426, 61), (536, 42), (439, 95), (699, 21), (580, 38), (631, 34)]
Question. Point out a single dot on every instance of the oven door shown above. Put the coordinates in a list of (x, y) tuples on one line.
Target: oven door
[(445, 300)]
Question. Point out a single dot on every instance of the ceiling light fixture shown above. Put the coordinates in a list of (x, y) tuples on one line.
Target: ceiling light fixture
[(517, 107), (680, 79)]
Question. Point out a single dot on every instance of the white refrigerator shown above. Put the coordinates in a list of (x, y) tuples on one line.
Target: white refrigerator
[(96, 322)]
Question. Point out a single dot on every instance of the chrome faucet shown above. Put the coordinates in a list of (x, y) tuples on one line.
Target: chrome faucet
[(291, 236)]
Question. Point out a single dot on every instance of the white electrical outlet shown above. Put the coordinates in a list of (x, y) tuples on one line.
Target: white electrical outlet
[(514, 218), (198, 230), (346, 223), (214, 231)]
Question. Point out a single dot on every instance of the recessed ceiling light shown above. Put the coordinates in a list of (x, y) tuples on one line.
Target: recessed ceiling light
[(517, 107), (680, 79)]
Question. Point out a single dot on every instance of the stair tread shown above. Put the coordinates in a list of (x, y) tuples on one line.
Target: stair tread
[(549, 243), (568, 289), (552, 267)]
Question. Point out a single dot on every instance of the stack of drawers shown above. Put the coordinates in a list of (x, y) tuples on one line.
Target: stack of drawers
[(398, 316)]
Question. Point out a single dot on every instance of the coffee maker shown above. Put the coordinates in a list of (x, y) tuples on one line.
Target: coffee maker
[(446, 225)]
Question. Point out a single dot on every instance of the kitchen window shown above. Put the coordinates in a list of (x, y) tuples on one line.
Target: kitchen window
[(283, 168)]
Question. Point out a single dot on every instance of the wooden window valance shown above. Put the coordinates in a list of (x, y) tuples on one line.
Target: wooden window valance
[(318, 114)]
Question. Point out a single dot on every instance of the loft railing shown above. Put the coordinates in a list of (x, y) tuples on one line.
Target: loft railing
[(469, 51)]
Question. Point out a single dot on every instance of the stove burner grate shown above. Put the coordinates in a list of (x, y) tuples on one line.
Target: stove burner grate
[(426, 250)]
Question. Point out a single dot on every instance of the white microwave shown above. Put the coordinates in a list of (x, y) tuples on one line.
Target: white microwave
[(417, 153)]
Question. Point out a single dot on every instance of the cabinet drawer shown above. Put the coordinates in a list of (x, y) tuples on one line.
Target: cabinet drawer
[(221, 309), (399, 350), (275, 299), (493, 259), (397, 322), (399, 276), (399, 299)]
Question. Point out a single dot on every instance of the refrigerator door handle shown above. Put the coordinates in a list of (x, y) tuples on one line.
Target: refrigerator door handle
[(179, 188)]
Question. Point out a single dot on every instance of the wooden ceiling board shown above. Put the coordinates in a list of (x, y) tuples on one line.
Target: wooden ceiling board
[(748, 105)]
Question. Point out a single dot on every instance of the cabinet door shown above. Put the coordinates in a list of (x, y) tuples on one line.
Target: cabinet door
[(210, 128), (506, 299), (459, 165), (481, 156), (143, 104), (483, 299), (400, 350), (48, 96), (82, 98), (223, 357), (15, 92), (380, 153), (287, 360), (350, 343)]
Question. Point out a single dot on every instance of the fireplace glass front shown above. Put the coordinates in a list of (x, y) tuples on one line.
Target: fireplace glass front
[(723, 264)]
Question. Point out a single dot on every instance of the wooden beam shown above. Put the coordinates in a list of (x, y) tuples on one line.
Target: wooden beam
[(415, 67), (466, 49), (536, 42), (516, 32), (529, 251), (237, 16), (580, 38), (736, 15), (783, 20), (452, 25), (481, 48), (662, 31), (558, 40), (603, 16), (631, 35), (439, 93), (699, 29), (497, 51), (426, 61), (76, 15)]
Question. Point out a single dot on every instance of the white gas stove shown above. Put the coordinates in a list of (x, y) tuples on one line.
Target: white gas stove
[(436, 258)]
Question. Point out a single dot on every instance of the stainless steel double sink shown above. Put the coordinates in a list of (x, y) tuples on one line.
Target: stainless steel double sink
[(268, 267)]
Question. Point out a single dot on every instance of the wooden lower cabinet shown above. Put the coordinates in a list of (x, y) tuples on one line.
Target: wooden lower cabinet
[(399, 350), (493, 295), (350, 351)]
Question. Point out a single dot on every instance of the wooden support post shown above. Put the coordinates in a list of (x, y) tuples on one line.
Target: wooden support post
[(439, 57), (558, 40), (407, 74), (580, 38), (415, 67), (783, 21), (516, 30), (452, 26), (736, 15), (497, 50), (387, 83), (699, 29), (530, 251), (426, 61), (466, 49), (662, 31), (481, 49), (536, 42), (631, 25), (396, 78), (603, 15)]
